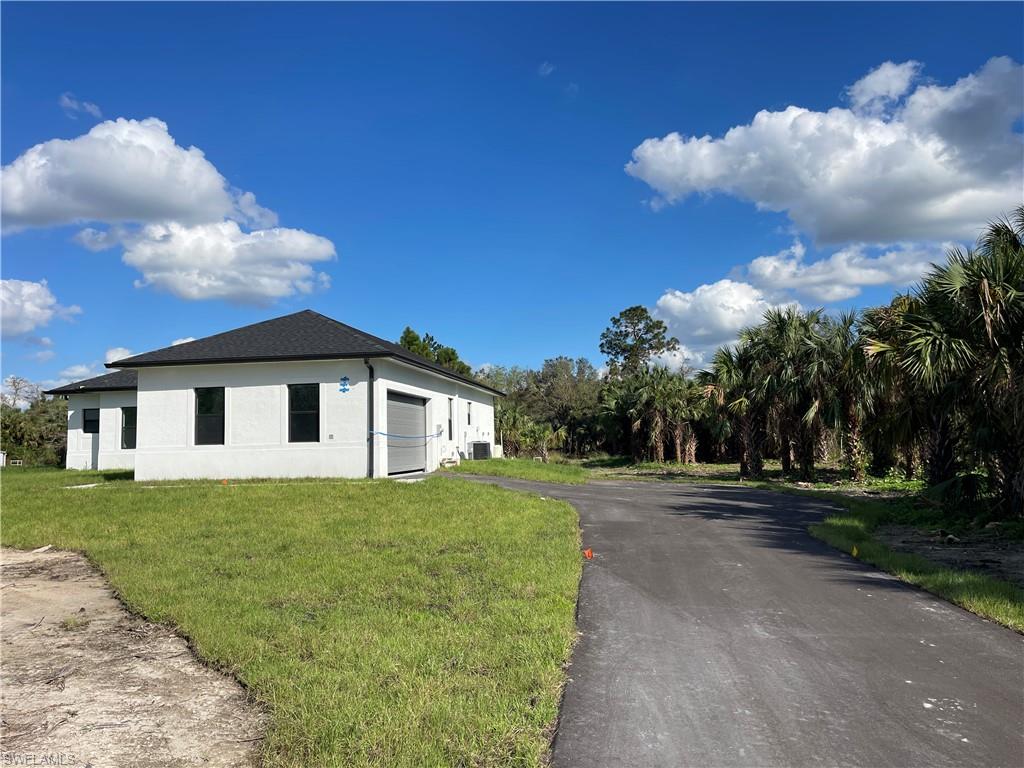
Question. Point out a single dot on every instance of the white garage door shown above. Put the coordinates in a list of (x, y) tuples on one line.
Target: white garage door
[(407, 429)]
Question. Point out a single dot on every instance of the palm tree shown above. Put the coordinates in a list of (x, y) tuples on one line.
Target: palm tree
[(731, 384), (842, 360), (683, 407), (958, 345), (792, 379), (541, 439), (512, 423), (654, 389)]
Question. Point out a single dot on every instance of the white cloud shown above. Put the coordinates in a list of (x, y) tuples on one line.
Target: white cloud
[(42, 355), (220, 261), (938, 167), (841, 275), (78, 372), (120, 171), (72, 106), (711, 315), (28, 305), (883, 86), (679, 360), (176, 216), (117, 353), (545, 68), (185, 340)]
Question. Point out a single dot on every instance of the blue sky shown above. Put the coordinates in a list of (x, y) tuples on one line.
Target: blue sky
[(463, 168)]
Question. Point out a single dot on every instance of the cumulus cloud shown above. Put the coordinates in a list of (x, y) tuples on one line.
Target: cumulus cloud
[(177, 218), (73, 107), (883, 86), (77, 372), (681, 360), (843, 274), (185, 340), (937, 166), (27, 305), (120, 171), (220, 261), (711, 315), (117, 353), (545, 68)]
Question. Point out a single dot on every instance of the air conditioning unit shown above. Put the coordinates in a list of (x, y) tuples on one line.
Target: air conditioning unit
[(478, 450)]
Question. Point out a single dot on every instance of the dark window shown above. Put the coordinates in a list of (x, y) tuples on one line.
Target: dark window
[(451, 418), (469, 413), (91, 421), (128, 418), (303, 413), (210, 416)]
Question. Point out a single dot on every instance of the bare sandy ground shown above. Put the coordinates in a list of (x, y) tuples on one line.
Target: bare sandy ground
[(983, 551), (84, 683)]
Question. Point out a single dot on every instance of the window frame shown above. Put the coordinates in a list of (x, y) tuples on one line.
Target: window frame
[(451, 418), (197, 416), (469, 413), (292, 413), (86, 420), (125, 428)]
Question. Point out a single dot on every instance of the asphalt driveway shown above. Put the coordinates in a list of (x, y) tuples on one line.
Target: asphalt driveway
[(717, 632)]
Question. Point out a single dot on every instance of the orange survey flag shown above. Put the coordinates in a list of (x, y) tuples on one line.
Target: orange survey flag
[(588, 553)]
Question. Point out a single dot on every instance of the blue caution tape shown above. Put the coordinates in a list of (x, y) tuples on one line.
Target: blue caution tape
[(407, 437)]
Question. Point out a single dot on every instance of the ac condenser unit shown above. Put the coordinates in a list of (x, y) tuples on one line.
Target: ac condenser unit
[(478, 450)]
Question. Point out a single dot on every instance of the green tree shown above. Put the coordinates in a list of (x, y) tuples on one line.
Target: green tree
[(633, 339), (958, 343), (430, 348), (33, 427), (541, 439)]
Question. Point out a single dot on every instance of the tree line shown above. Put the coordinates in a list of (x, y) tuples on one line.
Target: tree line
[(929, 385)]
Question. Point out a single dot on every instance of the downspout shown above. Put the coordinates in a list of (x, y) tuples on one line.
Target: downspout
[(370, 437)]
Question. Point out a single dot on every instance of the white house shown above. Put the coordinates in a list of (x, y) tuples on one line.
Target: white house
[(297, 396)]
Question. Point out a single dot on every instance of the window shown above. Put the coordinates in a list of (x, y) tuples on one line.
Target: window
[(128, 419), (210, 416), (451, 418), (91, 421), (303, 413), (469, 414)]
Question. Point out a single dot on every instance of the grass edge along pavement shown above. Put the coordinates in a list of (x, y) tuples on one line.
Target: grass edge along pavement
[(382, 623), (849, 531), (524, 469)]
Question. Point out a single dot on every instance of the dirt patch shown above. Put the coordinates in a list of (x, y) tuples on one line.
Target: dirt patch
[(985, 551), (85, 683)]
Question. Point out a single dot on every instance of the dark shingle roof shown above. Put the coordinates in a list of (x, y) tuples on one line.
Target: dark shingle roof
[(305, 335), (106, 382)]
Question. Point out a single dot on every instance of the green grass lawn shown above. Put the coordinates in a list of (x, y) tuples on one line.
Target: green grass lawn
[(525, 469), (382, 623)]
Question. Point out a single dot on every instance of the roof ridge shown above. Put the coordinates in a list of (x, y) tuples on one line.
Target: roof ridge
[(380, 342)]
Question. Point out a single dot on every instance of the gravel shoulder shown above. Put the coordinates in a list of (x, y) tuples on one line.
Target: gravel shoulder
[(88, 683)]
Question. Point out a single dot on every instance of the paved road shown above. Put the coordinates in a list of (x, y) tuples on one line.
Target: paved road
[(717, 632)]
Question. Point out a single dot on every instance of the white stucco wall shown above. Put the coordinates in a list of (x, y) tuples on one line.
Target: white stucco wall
[(102, 450), (255, 422), (394, 376)]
